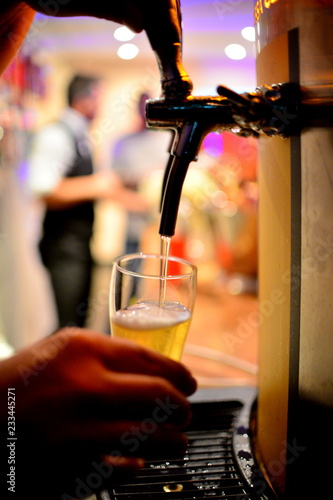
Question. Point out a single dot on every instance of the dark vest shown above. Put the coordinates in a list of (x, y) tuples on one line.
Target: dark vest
[(69, 230)]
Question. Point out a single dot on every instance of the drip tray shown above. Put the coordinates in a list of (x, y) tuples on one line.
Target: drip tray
[(218, 463)]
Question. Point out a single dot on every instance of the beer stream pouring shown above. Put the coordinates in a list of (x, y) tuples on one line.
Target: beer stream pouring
[(269, 110)]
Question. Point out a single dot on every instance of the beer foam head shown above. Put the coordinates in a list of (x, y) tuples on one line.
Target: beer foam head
[(145, 315)]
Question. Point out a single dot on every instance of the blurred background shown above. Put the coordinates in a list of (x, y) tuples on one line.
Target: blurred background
[(217, 223)]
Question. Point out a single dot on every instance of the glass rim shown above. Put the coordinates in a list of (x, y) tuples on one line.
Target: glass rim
[(143, 256)]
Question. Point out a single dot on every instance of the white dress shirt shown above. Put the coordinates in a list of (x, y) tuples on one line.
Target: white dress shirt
[(52, 152)]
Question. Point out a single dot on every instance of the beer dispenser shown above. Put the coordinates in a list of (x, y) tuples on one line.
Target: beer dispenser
[(291, 114)]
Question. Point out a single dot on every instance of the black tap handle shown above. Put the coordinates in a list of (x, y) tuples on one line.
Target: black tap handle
[(163, 27)]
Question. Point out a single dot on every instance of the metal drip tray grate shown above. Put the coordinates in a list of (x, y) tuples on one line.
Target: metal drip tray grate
[(209, 469)]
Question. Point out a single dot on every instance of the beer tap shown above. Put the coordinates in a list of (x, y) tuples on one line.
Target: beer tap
[(270, 110)]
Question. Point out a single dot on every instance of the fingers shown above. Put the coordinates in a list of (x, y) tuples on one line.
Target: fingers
[(126, 443), (72, 476), (127, 357), (102, 473), (140, 396), (98, 376), (131, 396), (133, 438), (124, 356)]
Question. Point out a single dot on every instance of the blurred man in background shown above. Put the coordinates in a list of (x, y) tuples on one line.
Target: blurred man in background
[(63, 176)]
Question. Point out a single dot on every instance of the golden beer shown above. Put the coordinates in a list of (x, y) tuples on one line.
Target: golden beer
[(162, 328)]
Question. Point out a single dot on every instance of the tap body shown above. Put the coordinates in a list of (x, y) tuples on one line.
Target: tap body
[(191, 119), (269, 110)]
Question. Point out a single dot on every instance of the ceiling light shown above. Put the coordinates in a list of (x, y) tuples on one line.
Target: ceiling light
[(128, 51), (123, 34), (248, 33), (235, 51)]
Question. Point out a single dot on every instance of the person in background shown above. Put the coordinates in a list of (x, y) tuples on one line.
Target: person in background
[(62, 175), (135, 156), (81, 397)]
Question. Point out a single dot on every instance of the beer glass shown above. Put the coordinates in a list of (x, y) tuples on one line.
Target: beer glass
[(151, 301)]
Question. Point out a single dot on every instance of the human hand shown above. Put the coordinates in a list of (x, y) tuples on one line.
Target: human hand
[(131, 13), (88, 406), (161, 20)]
